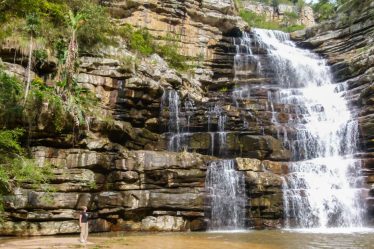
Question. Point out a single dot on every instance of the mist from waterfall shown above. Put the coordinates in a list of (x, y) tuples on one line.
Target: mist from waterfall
[(323, 186)]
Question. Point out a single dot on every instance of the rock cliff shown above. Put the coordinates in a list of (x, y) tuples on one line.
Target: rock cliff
[(122, 170)]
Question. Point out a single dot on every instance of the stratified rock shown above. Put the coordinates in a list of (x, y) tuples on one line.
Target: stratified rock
[(24, 228)]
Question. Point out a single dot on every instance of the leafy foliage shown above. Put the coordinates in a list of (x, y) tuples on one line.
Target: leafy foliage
[(259, 21), (169, 51), (50, 19), (140, 40), (328, 9), (96, 28), (11, 91), (289, 23), (324, 9), (62, 106), (9, 142), (15, 168), (275, 3)]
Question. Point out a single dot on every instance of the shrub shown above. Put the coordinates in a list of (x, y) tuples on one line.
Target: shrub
[(259, 21), (11, 92), (15, 168), (324, 10), (96, 27), (52, 21), (169, 51), (140, 40)]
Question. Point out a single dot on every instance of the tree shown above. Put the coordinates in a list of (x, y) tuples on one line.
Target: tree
[(75, 22), (325, 9), (32, 25)]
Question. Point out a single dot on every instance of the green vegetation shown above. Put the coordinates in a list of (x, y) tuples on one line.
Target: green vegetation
[(65, 29), (169, 51), (275, 3), (259, 21), (141, 41), (50, 21), (64, 107), (288, 24), (15, 167), (328, 9), (10, 98), (224, 89), (324, 9)]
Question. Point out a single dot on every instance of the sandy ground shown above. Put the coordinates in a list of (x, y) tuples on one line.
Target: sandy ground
[(134, 242)]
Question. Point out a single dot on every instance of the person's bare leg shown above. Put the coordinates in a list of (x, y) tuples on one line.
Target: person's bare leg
[(82, 233), (86, 232)]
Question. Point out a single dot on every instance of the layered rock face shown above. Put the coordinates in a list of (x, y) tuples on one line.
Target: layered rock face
[(197, 26), (347, 43), (122, 170), (137, 190)]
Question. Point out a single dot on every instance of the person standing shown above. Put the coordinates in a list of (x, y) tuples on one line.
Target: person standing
[(83, 223)]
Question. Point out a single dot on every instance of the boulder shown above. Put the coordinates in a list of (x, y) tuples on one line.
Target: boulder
[(163, 223)]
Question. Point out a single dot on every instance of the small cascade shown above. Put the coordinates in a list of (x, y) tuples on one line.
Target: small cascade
[(225, 188), (179, 123), (323, 186), (179, 119), (189, 107), (217, 113), (171, 99), (243, 65)]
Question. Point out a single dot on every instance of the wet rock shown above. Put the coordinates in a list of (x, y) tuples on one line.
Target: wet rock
[(249, 164), (163, 223), (198, 225), (263, 147), (265, 179), (276, 167)]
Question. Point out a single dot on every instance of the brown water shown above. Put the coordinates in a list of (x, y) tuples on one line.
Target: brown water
[(241, 240)]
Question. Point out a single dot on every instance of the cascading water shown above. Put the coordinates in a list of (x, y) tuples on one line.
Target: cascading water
[(224, 185), (226, 190), (178, 134), (322, 188)]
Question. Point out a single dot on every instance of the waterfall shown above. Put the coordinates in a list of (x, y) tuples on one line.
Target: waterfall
[(226, 196), (322, 188), (245, 64), (178, 132), (225, 187)]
